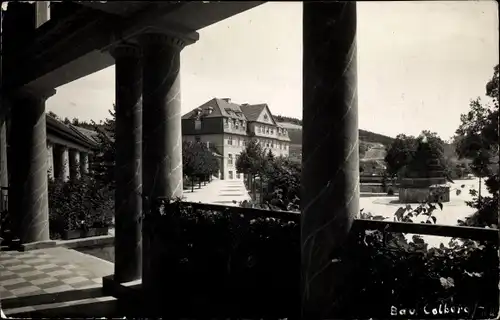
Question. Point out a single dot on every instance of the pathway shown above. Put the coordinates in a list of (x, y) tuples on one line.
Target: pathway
[(223, 192)]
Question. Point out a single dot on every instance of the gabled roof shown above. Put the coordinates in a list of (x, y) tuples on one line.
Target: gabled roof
[(253, 111), (89, 134), (220, 108), (67, 132)]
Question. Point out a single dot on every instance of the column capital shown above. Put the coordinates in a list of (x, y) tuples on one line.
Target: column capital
[(159, 38), (125, 49), (34, 93)]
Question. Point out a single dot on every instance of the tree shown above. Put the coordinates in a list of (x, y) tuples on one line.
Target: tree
[(400, 153), (421, 156), (104, 159), (53, 115), (477, 139), (198, 161), (251, 159), (251, 162)]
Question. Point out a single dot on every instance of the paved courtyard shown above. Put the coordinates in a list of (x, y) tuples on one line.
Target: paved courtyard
[(452, 211), (223, 192), (49, 276)]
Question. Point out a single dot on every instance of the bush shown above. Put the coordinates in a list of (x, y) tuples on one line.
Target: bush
[(79, 204), (228, 264), (225, 264)]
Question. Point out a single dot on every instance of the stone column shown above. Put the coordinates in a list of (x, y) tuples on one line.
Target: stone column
[(162, 142), (4, 174), (74, 164), (29, 201), (128, 135), (61, 163), (330, 184), (50, 160), (84, 163), (162, 137)]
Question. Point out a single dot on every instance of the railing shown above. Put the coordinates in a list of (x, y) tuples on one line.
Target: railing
[(471, 233)]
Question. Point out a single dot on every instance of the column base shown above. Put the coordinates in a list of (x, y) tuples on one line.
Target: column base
[(16, 245), (124, 290)]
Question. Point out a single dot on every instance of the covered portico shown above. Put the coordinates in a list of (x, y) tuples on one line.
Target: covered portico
[(144, 41)]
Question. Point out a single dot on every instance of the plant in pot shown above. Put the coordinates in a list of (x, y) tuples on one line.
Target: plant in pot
[(79, 208)]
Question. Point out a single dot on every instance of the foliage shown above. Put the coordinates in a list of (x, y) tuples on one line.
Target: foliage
[(251, 159), (283, 184), (412, 156), (103, 163), (477, 139), (198, 160), (225, 264), (79, 204), (229, 263)]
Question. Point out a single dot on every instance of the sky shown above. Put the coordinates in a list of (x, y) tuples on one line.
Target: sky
[(419, 65)]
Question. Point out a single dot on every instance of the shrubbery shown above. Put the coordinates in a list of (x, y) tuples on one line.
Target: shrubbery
[(224, 263), (228, 262), (78, 205)]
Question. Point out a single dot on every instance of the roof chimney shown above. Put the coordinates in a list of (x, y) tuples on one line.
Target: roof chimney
[(228, 100)]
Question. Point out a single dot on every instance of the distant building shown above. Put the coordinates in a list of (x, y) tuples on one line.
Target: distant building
[(226, 127)]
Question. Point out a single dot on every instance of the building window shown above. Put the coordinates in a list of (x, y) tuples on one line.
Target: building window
[(272, 131), (226, 124), (230, 175), (230, 141), (244, 143), (197, 138), (272, 144), (237, 175), (267, 130), (197, 124), (230, 159)]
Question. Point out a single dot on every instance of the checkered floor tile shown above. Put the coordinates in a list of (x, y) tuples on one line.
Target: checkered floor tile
[(36, 272)]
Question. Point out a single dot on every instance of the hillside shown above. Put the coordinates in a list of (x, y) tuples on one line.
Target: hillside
[(294, 127)]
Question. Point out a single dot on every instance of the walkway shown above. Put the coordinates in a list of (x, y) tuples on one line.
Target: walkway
[(223, 192), (47, 279)]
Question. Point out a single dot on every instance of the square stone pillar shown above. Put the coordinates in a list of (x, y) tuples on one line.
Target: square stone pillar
[(128, 139), (50, 159), (28, 200), (84, 163), (330, 158), (74, 164)]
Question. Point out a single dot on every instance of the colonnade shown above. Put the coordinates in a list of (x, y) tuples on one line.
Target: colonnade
[(66, 163)]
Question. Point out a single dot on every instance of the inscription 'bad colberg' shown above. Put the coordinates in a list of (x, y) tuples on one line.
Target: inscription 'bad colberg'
[(441, 309)]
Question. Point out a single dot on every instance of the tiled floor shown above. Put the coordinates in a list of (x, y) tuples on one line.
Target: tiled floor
[(49, 271)]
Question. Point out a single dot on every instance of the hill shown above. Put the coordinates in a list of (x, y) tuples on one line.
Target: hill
[(294, 127)]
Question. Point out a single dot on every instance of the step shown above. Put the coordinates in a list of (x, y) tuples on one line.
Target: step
[(84, 308)]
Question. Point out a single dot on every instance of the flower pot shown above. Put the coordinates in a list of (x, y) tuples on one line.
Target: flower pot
[(91, 232)]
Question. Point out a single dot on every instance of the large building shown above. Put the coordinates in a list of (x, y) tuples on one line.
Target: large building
[(227, 127)]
